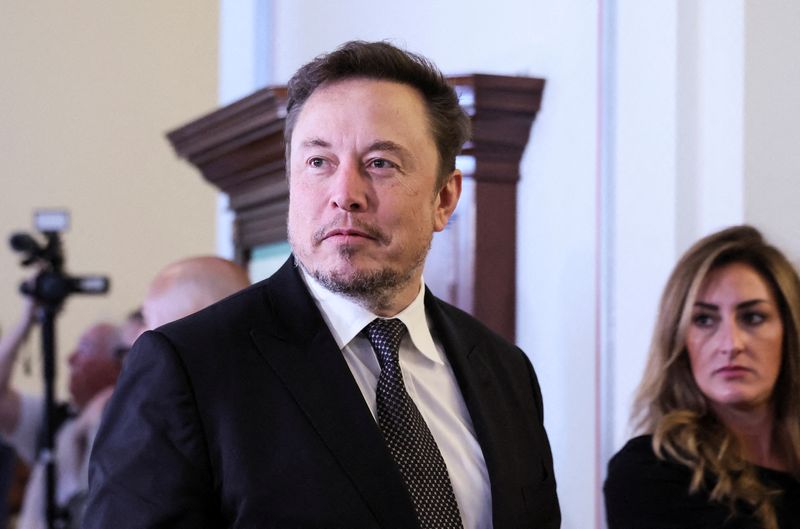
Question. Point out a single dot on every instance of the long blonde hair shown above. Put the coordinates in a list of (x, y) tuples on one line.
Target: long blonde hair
[(669, 403)]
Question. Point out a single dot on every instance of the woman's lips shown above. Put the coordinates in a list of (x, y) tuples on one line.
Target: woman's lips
[(732, 371)]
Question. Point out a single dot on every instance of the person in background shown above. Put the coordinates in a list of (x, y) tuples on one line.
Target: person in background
[(188, 285), (339, 392), (720, 400), (93, 370), (129, 331), (178, 290)]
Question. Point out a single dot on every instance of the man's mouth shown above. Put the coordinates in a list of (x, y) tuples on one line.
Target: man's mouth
[(361, 232), (346, 233)]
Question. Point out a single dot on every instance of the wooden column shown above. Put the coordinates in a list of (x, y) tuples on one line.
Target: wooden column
[(502, 111)]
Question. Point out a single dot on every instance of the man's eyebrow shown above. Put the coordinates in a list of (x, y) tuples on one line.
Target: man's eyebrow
[(388, 145), (315, 142), (377, 145)]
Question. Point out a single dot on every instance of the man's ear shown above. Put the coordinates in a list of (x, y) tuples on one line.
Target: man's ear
[(447, 199)]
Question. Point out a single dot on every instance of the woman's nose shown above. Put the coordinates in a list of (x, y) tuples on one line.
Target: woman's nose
[(731, 338)]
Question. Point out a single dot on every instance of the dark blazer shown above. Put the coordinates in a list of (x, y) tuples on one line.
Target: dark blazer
[(246, 415)]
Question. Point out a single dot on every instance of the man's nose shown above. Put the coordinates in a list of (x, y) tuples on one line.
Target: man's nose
[(350, 187)]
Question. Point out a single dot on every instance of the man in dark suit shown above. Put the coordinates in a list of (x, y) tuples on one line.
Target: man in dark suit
[(338, 393)]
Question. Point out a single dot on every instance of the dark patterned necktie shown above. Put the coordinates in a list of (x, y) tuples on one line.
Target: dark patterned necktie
[(407, 436)]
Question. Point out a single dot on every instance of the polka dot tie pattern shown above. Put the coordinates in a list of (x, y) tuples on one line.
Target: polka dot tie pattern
[(407, 436)]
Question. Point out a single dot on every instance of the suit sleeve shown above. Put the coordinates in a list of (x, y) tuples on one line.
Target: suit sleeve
[(539, 500), (149, 465)]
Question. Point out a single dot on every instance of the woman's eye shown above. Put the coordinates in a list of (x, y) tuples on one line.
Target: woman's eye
[(753, 318), (703, 320)]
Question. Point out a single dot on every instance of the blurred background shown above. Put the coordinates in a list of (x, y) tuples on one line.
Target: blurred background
[(661, 122)]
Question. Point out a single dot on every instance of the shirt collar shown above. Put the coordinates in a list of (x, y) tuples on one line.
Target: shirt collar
[(346, 318)]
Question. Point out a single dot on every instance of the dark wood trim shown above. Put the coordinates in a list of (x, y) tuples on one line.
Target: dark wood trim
[(240, 150)]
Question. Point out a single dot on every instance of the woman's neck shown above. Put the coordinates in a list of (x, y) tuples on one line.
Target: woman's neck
[(754, 430)]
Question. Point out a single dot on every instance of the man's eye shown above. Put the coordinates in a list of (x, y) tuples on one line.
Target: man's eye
[(381, 163), (316, 162)]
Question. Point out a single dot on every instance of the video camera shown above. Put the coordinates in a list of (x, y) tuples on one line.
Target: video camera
[(50, 288), (52, 285)]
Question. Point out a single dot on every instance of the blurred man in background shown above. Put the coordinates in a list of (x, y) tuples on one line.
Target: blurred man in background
[(94, 366), (188, 285), (180, 289)]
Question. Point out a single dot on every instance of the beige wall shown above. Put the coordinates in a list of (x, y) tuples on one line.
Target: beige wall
[(87, 91)]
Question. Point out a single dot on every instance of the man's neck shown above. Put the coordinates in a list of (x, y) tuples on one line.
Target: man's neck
[(392, 305)]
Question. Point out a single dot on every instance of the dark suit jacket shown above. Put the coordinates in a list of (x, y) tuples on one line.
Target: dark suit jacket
[(246, 415)]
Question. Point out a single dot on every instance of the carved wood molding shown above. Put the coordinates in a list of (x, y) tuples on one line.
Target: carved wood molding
[(239, 149)]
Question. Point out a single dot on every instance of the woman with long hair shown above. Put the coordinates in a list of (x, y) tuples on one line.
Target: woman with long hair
[(719, 403)]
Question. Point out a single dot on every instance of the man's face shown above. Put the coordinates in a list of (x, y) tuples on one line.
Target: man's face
[(92, 366), (363, 205)]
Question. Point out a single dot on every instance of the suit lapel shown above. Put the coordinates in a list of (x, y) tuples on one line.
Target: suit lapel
[(301, 350), (468, 357)]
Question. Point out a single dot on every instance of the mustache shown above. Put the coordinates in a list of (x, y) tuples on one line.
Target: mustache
[(344, 223)]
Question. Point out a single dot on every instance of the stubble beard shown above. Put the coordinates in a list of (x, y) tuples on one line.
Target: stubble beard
[(373, 289)]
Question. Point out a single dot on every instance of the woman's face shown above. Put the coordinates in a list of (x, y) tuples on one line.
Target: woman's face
[(735, 338)]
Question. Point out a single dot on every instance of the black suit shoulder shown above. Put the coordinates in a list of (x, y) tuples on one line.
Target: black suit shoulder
[(497, 353), (254, 420), (509, 365), (222, 419), (502, 393), (473, 329), (235, 312)]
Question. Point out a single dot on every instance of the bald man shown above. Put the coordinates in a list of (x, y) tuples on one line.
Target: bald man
[(188, 285)]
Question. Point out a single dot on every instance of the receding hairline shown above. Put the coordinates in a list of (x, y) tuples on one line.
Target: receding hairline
[(447, 122), (442, 172)]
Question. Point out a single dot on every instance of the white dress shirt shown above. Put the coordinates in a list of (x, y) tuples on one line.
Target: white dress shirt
[(429, 381)]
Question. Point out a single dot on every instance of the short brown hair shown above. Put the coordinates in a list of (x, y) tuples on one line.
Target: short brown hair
[(449, 123)]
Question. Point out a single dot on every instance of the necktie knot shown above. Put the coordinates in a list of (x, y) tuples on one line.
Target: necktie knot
[(385, 336)]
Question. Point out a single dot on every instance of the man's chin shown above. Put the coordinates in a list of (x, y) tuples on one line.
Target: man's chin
[(344, 266), (359, 281), (369, 282)]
